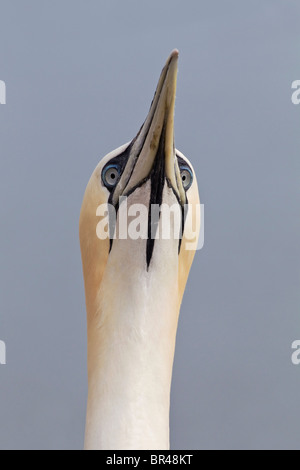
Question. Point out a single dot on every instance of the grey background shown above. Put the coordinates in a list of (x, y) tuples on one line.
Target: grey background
[(80, 77)]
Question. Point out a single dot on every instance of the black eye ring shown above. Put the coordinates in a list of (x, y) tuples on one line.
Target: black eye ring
[(110, 175), (186, 176)]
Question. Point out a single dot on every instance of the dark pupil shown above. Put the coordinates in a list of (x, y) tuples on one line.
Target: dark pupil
[(113, 176), (183, 178)]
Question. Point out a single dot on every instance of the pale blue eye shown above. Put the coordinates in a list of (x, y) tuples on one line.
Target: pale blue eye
[(186, 177), (110, 175)]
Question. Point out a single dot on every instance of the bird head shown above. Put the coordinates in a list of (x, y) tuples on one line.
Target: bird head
[(127, 183)]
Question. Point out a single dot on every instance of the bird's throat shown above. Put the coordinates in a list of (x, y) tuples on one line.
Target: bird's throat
[(131, 341)]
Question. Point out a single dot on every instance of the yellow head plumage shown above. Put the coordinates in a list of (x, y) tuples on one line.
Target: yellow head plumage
[(148, 169)]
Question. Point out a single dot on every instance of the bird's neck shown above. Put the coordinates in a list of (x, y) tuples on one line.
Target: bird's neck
[(131, 342)]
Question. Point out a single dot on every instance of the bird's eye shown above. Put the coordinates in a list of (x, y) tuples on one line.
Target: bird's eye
[(110, 175), (186, 177)]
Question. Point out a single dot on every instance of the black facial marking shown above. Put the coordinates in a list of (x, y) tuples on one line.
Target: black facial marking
[(157, 179), (182, 162), (120, 160)]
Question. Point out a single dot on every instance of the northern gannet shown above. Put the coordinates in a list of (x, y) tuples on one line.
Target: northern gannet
[(134, 287)]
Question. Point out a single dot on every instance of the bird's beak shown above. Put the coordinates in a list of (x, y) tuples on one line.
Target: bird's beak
[(152, 152)]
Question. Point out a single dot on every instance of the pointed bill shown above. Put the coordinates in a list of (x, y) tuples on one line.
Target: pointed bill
[(158, 126)]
